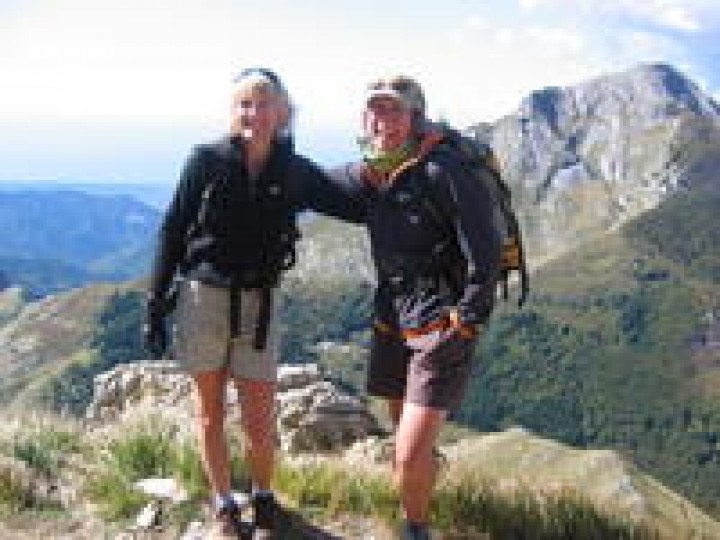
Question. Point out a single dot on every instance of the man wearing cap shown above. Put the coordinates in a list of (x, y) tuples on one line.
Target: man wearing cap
[(436, 281)]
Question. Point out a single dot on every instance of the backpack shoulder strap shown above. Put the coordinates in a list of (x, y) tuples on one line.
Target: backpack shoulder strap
[(479, 157), (205, 186)]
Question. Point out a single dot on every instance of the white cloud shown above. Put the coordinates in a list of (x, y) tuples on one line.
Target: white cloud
[(644, 45), (557, 38), (680, 15), (678, 18), (168, 60), (92, 60), (528, 5), (493, 71), (478, 23), (683, 15)]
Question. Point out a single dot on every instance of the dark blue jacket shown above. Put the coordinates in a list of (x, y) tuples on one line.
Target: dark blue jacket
[(429, 261), (288, 180)]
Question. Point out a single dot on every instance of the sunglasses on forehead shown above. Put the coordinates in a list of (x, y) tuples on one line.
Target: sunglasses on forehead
[(262, 72), (398, 85)]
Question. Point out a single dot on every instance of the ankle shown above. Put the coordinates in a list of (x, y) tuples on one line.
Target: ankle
[(415, 530), (264, 509), (222, 502)]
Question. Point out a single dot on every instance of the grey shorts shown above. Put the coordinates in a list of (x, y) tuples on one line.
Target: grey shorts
[(432, 370), (201, 333)]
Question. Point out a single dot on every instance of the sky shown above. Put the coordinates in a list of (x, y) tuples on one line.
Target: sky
[(119, 90)]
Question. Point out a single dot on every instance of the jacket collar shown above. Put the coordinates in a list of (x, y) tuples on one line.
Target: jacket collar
[(375, 178), (230, 148)]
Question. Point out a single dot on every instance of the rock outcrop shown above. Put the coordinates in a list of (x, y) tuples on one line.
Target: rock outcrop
[(314, 414)]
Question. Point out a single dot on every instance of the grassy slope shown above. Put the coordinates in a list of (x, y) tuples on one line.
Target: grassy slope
[(49, 337), (603, 354)]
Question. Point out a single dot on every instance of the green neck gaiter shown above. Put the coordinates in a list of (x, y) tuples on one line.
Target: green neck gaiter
[(389, 160)]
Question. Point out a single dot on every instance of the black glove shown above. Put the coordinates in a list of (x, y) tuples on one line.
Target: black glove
[(155, 335)]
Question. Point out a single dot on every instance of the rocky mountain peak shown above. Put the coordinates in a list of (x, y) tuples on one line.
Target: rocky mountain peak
[(585, 158), (652, 91)]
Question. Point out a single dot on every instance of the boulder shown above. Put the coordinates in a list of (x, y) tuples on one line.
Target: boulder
[(128, 388), (320, 417)]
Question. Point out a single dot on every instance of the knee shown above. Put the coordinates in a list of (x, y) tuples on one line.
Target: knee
[(407, 462), (210, 420), (412, 461), (210, 413)]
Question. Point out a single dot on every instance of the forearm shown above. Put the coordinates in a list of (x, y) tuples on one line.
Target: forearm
[(334, 193), (171, 237), (164, 265)]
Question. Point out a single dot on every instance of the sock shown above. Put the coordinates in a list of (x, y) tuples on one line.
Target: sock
[(223, 500), (417, 530), (263, 493)]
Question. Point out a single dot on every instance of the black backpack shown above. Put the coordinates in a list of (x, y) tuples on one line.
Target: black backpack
[(480, 159), (251, 238)]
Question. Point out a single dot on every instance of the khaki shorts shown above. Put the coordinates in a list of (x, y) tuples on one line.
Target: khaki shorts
[(201, 333), (431, 370)]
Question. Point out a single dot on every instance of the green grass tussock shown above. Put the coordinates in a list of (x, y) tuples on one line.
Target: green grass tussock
[(461, 506), (151, 450), (331, 491), (471, 505), (15, 493), (35, 450)]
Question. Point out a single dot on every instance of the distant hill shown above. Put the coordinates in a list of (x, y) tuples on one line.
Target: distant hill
[(41, 277), (156, 195), (53, 240), (4, 281)]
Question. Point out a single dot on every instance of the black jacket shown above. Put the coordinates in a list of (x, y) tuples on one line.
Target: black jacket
[(303, 184), (433, 240)]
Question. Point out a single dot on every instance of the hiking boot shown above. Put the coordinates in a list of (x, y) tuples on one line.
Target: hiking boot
[(265, 514), (225, 524), (412, 530)]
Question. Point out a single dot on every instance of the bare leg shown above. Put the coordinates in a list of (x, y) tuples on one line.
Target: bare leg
[(211, 412), (257, 401), (415, 468), (395, 407)]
